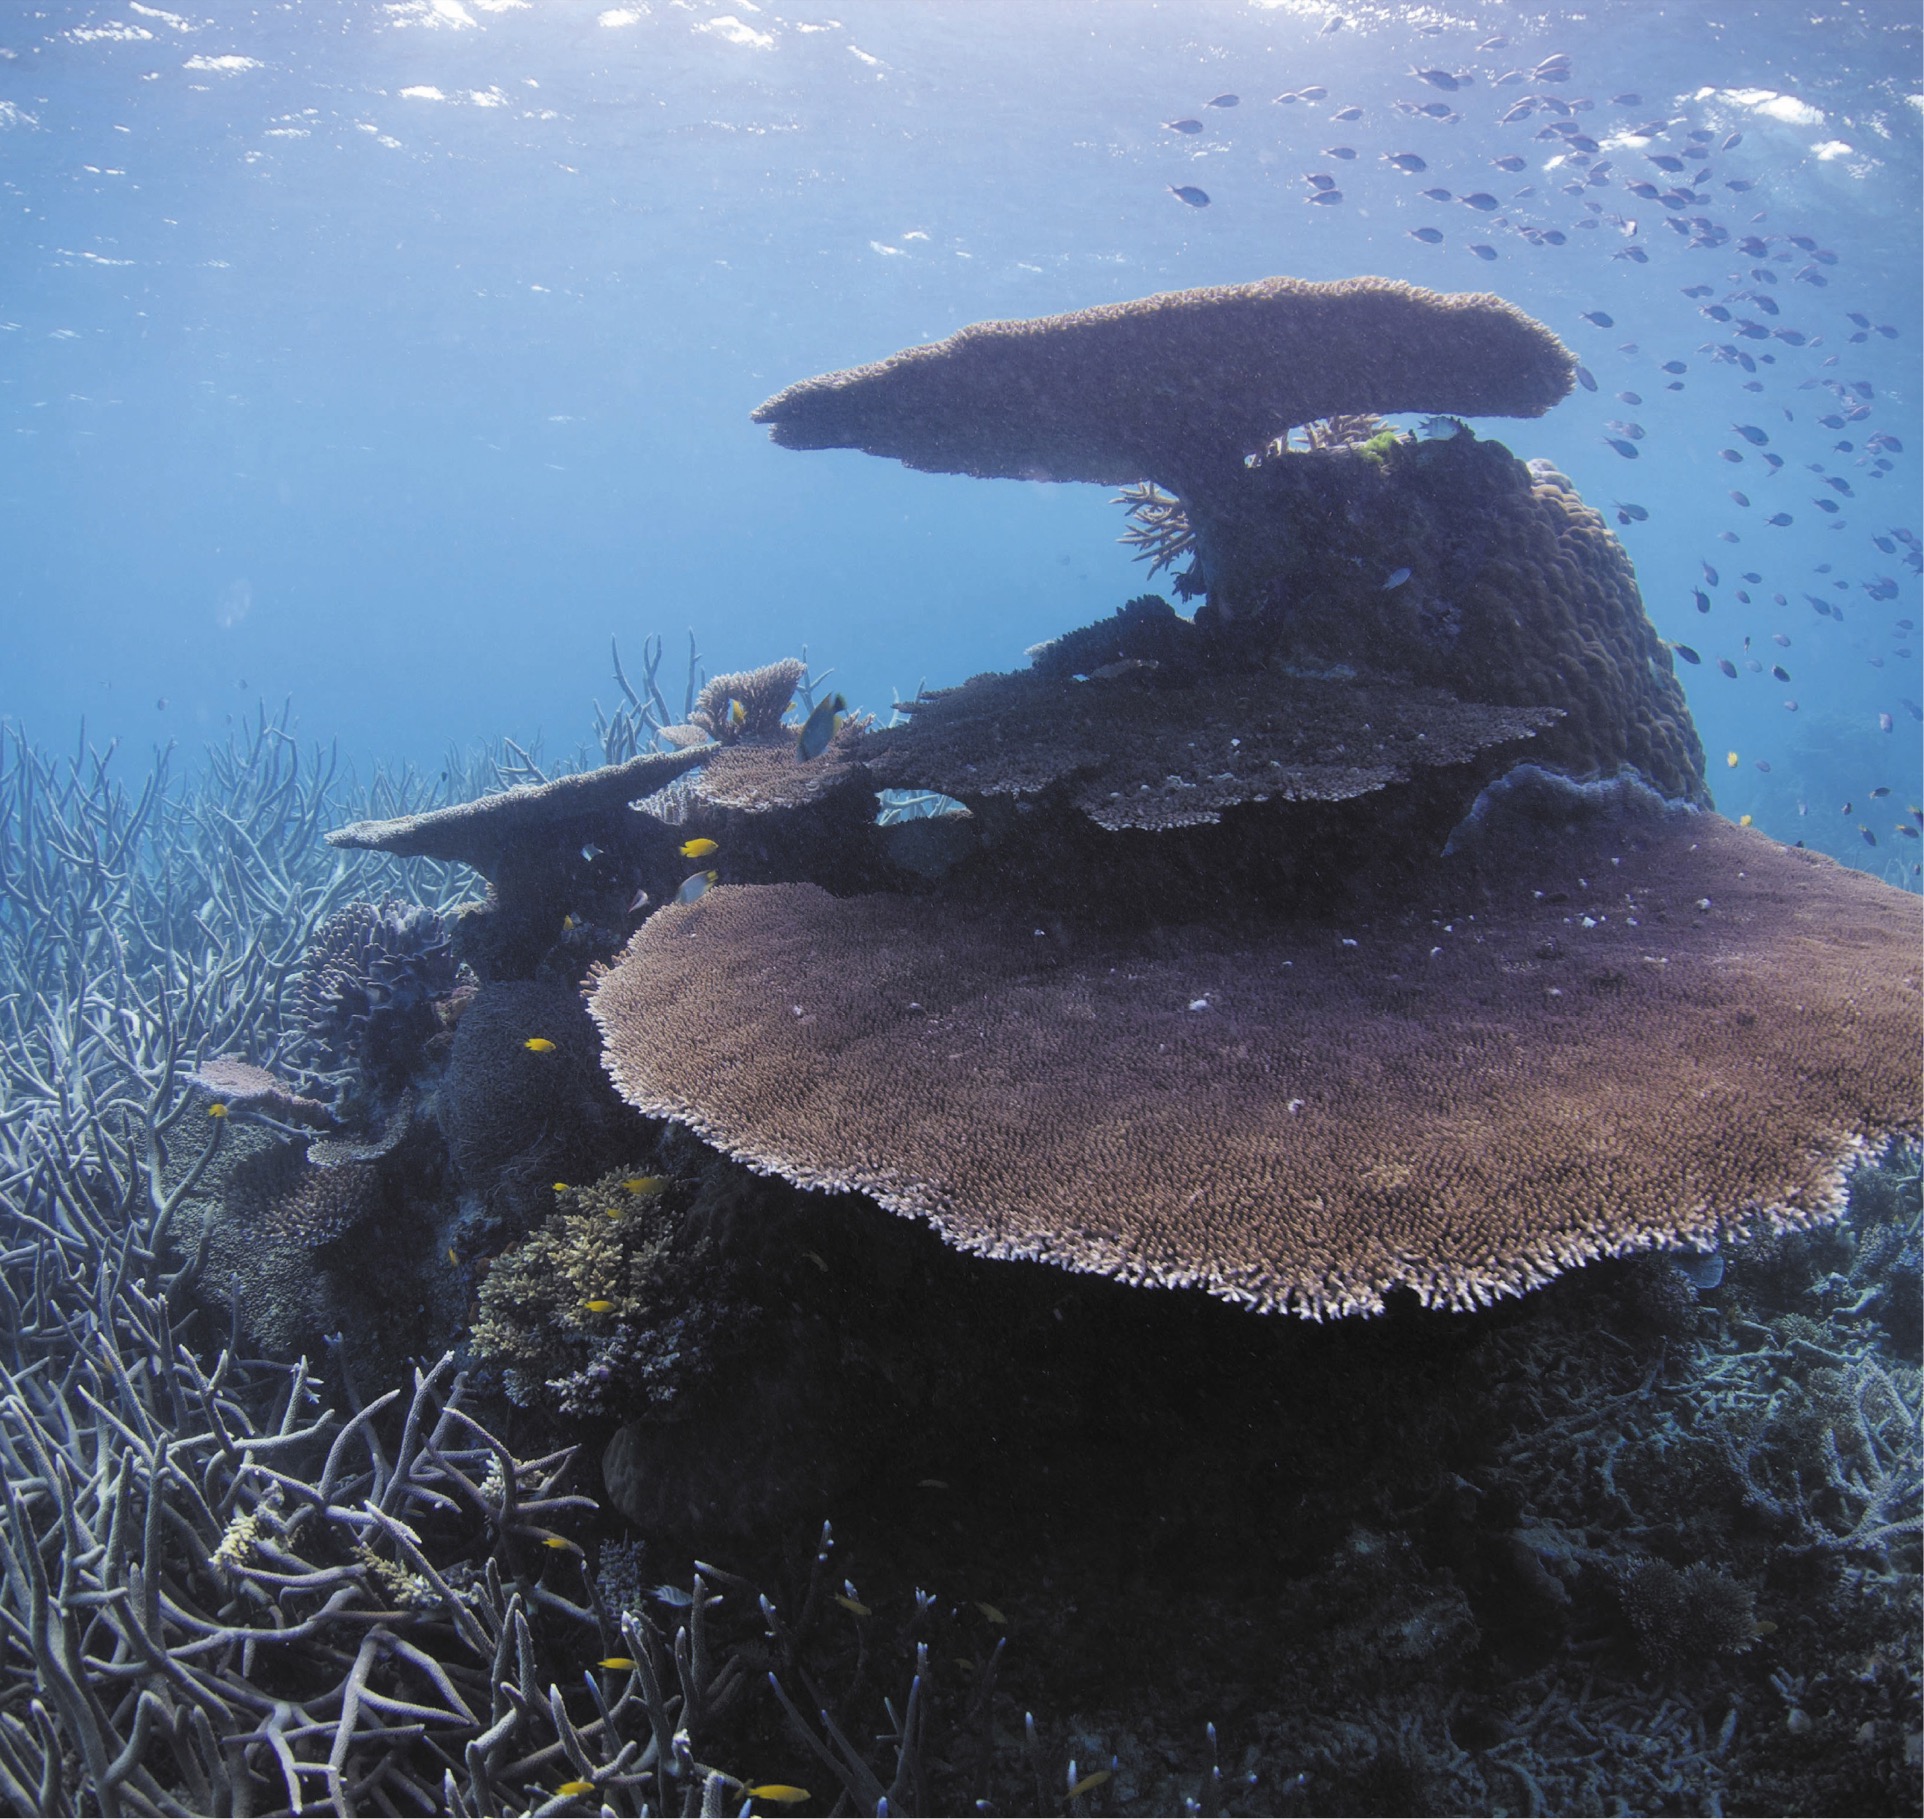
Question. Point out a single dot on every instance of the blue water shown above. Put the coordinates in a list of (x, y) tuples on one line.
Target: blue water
[(392, 357)]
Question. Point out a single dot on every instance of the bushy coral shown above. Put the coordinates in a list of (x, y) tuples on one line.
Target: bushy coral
[(1680, 1616), (593, 1314)]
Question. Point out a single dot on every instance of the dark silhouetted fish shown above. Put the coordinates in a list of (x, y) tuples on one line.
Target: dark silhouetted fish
[(1345, 152), (1182, 126), (1224, 101), (1686, 653), (1484, 252), (1628, 450), (1601, 318), (1324, 195), (1188, 192), (1729, 668), (1430, 236), (1586, 379), (1406, 161), (1751, 434), (1482, 201)]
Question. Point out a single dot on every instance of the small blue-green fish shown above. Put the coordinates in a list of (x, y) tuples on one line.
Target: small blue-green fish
[(1182, 126), (1406, 161), (1702, 599), (1628, 450), (1395, 578), (1510, 163), (1729, 668), (1223, 101), (1778, 518), (1356, 113), (1440, 78), (1484, 252), (1586, 379), (1635, 513), (819, 728), (1686, 653), (1482, 201), (1188, 192), (1345, 152), (1710, 574), (1430, 236), (1439, 195), (1336, 195), (1601, 318), (1320, 180), (1751, 434)]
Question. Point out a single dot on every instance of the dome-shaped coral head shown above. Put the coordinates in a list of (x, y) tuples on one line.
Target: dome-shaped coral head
[(1179, 386), (365, 999)]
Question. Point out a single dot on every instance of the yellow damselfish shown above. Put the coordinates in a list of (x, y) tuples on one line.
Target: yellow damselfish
[(538, 1045), (779, 1792), (576, 1787), (852, 1604), (1730, 758), (599, 1307), (217, 1110), (617, 1664), (644, 1184), (1093, 1780), (993, 1615), (559, 1543), (699, 849)]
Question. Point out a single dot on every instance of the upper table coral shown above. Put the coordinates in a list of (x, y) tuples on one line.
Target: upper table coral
[(1178, 385)]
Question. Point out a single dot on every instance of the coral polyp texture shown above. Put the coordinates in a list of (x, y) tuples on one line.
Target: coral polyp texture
[(1635, 1035), (1151, 748), (484, 832), (1178, 385)]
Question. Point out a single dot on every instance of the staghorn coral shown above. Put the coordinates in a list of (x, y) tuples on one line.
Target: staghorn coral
[(1631, 1034), (1177, 387), (1158, 530)]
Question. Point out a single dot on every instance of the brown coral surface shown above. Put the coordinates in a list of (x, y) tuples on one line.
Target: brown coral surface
[(1143, 752), (480, 832), (1183, 382), (1639, 1038)]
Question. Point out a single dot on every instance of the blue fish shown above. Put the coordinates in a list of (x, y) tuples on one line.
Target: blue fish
[(1395, 578), (819, 728), (1188, 192), (1628, 450)]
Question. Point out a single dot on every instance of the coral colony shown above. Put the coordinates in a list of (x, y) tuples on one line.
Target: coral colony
[(461, 1349)]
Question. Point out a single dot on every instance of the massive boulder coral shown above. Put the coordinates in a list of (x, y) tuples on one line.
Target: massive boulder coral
[(1574, 1042), (1437, 562)]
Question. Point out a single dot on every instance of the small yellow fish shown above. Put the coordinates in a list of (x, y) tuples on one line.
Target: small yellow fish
[(576, 1787), (568, 923), (779, 1792), (1743, 820), (454, 1257), (993, 1615), (1094, 1779), (853, 1604), (699, 849), (968, 1667), (815, 1257), (1730, 758), (645, 1185), (617, 1664), (737, 714), (217, 1110), (1764, 1627), (561, 1187), (560, 1543), (599, 1307), (538, 1045)]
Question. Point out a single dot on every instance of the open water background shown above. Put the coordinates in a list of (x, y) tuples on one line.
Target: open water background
[(393, 357)]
